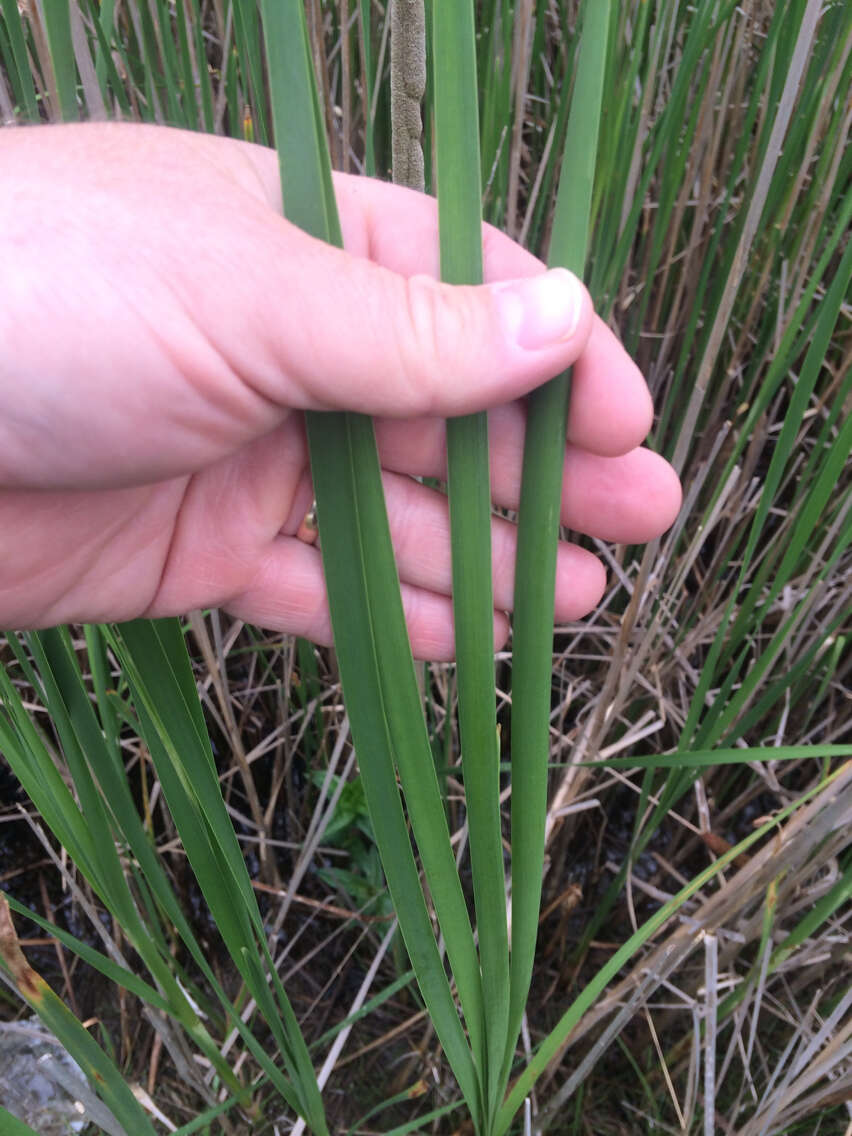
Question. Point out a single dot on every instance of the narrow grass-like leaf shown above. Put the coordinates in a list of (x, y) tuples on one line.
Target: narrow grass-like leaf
[(551, 1044), (88, 830), (369, 84), (370, 635), (379, 729), (57, 22), (838, 896), (18, 67), (835, 898), (402, 1097), (538, 530), (117, 974), (822, 490), (193, 13), (153, 657), (102, 1074), (247, 37), (190, 90), (414, 1126), (696, 41), (102, 683), (204, 1118), (372, 1004), (706, 758), (11, 1126), (177, 102), (720, 730), (495, 65), (830, 308), (102, 16), (105, 64), (28, 756), (460, 225)]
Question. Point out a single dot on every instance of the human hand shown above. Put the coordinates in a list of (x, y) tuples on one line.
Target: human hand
[(162, 329)]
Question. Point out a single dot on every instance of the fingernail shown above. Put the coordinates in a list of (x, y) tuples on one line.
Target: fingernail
[(541, 311)]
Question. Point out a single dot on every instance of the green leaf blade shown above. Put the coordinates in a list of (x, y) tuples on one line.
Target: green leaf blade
[(460, 228), (366, 607), (538, 530)]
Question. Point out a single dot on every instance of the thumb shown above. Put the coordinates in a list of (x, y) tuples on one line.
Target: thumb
[(355, 336)]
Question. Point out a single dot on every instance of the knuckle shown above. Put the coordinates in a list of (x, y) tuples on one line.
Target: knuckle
[(427, 341)]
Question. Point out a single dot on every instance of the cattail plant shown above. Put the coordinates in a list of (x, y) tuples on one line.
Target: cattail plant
[(709, 215)]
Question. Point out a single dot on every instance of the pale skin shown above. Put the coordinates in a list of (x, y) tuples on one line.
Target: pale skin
[(162, 331)]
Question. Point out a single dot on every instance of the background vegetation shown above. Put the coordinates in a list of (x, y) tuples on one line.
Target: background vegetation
[(702, 705)]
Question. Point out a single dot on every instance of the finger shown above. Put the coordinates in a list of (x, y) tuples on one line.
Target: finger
[(627, 499), (630, 498), (233, 547), (419, 523), (288, 594), (610, 409), (275, 501)]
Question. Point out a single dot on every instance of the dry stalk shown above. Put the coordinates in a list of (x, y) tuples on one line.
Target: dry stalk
[(801, 848)]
